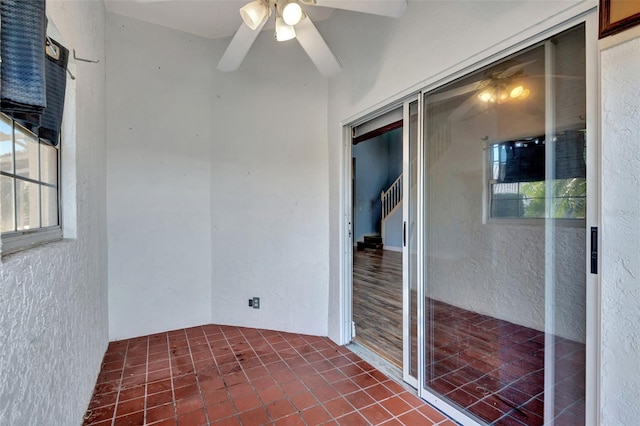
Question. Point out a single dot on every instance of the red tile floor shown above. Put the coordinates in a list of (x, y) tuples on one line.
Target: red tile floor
[(221, 375)]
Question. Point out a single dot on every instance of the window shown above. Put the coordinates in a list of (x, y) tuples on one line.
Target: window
[(29, 187), (517, 185)]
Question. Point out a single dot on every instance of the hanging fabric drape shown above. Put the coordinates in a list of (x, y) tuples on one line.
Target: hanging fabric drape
[(56, 77), (22, 41), (33, 70)]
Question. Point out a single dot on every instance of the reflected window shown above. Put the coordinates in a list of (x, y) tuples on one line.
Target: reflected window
[(517, 185)]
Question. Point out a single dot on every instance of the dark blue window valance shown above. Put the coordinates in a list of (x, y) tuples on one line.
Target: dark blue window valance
[(32, 83)]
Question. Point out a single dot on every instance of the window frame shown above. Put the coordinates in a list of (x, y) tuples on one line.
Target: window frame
[(18, 240)]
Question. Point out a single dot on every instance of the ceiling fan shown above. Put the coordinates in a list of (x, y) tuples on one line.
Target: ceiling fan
[(292, 22)]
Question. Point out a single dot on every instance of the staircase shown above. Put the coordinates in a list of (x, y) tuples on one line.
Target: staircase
[(370, 242), (390, 199)]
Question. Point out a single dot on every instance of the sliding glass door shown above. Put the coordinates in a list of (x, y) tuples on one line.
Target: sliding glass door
[(505, 195)]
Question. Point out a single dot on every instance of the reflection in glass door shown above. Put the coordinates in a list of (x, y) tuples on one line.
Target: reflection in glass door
[(505, 238)]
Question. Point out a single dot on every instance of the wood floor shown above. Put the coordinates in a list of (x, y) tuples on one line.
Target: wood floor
[(377, 302)]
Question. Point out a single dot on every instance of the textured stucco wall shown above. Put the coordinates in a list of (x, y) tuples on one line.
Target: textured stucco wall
[(53, 299), (158, 178), (269, 189), (620, 261)]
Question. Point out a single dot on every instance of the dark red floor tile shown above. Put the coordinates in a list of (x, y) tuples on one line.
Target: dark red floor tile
[(132, 393), (413, 417), (294, 419), (325, 393), (346, 386), (293, 387), (133, 419), (160, 412), (279, 409), (194, 418), (159, 398), (100, 400), (188, 405), (359, 399), (352, 419), (247, 402), (270, 394), (99, 414), (338, 407), (220, 410), (316, 415), (227, 375), (240, 390), (375, 414), (130, 406), (395, 405), (303, 400), (255, 417)]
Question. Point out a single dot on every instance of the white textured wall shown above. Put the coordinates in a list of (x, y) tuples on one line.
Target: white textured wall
[(269, 189), (384, 57), (53, 299), (217, 184), (158, 178), (620, 235)]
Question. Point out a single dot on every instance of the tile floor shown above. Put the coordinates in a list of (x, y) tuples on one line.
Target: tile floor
[(222, 375)]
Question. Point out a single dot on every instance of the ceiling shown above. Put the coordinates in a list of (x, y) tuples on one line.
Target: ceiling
[(206, 18)]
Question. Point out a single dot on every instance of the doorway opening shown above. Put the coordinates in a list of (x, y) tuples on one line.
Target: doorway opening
[(384, 291), (377, 252)]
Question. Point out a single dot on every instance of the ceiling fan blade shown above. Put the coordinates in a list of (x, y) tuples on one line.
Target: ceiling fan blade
[(391, 8), (239, 47), (312, 42), (455, 92)]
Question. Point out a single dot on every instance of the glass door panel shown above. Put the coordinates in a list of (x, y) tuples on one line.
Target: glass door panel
[(409, 249), (505, 238)]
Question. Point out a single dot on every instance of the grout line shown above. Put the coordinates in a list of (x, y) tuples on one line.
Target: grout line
[(206, 414), (146, 384), (124, 363), (173, 393), (226, 388)]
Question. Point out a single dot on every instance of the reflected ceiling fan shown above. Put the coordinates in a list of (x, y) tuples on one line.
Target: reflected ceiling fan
[(292, 22), (497, 87)]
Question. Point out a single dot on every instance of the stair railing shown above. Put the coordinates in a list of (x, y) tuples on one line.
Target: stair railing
[(391, 197)]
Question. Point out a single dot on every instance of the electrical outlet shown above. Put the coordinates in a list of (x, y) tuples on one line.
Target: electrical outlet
[(256, 303), (250, 303)]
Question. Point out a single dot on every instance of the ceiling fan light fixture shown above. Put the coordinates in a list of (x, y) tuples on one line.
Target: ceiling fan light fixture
[(487, 96), (292, 13), (254, 13), (284, 32), (516, 92)]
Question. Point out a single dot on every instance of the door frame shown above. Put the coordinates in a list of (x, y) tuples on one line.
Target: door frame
[(592, 281), (349, 229), (585, 13), (406, 266)]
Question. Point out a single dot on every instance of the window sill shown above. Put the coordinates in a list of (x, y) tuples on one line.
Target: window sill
[(13, 242)]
